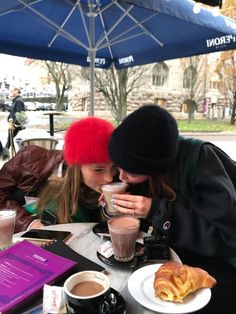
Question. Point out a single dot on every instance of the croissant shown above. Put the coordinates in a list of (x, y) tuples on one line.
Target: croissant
[(174, 281)]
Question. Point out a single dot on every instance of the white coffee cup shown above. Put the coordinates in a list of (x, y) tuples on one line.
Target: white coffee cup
[(7, 225)]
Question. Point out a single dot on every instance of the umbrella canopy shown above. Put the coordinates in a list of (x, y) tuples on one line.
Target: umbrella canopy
[(101, 32)]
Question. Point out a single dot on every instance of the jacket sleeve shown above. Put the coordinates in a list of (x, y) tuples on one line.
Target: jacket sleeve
[(8, 182), (206, 223), (26, 171)]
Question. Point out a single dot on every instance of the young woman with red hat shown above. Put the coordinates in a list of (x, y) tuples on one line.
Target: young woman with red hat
[(74, 195)]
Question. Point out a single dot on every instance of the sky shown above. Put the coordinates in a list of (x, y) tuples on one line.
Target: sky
[(11, 64), (15, 72)]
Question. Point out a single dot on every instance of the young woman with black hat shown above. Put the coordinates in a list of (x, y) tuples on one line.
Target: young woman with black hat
[(185, 188)]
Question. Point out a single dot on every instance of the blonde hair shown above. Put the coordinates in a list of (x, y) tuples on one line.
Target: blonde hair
[(65, 194)]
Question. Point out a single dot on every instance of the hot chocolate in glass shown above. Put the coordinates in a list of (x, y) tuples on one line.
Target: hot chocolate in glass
[(124, 232)]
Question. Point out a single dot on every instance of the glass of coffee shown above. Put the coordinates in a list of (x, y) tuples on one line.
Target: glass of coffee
[(110, 189), (86, 291), (7, 225), (124, 232)]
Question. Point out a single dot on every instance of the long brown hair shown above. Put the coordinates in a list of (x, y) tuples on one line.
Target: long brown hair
[(64, 194), (160, 186)]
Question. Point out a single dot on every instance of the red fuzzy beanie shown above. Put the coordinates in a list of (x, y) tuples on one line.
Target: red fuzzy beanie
[(86, 141)]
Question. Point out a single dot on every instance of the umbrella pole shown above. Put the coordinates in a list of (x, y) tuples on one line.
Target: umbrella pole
[(92, 85), (92, 64)]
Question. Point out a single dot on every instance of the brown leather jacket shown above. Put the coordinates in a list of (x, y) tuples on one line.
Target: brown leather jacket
[(26, 172)]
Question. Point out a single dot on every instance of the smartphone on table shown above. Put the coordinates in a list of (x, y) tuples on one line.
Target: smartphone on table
[(43, 235)]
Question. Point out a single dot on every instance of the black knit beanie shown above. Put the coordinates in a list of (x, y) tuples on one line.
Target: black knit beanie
[(146, 142)]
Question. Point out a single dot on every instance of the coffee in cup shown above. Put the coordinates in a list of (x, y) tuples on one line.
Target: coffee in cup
[(110, 189), (7, 225), (124, 232), (86, 291), (87, 288)]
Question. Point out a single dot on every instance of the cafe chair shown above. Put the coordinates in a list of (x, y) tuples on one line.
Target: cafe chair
[(48, 142)]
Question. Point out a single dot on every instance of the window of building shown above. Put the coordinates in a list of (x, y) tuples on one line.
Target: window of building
[(160, 74), (161, 102), (189, 77), (214, 82)]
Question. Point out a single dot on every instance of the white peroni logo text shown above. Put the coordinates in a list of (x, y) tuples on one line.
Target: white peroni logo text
[(101, 61), (218, 41), (126, 60)]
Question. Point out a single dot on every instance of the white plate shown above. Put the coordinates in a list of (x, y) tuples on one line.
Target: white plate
[(140, 285)]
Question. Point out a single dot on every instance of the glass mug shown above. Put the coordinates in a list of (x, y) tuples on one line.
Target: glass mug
[(108, 190), (7, 225), (124, 232)]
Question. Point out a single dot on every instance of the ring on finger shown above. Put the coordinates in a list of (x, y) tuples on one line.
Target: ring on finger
[(134, 207)]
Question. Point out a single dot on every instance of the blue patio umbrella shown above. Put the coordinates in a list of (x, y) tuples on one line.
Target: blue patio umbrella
[(97, 33)]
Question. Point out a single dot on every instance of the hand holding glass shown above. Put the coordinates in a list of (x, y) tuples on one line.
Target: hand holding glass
[(110, 189)]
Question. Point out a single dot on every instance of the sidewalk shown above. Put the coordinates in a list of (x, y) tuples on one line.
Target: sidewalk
[(211, 136)]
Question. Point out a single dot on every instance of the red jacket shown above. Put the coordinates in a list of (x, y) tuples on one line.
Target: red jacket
[(27, 171)]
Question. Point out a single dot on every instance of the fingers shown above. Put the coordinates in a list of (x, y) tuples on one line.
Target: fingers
[(36, 224), (123, 204), (126, 204), (126, 197), (138, 206), (126, 211), (101, 198), (129, 202), (126, 207)]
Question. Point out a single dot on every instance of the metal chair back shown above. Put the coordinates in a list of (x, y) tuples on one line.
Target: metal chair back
[(49, 143)]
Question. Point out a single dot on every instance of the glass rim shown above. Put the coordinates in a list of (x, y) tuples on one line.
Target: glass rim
[(115, 183), (7, 213), (124, 226), (81, 274)]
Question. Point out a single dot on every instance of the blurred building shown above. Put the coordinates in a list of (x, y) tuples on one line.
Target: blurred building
[(167, 84)]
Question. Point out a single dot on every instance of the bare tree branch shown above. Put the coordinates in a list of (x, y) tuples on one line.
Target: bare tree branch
[(116, 85)]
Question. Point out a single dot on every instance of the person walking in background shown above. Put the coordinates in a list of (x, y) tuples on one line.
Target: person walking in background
[(186, 189), (17, 106), (67, 182)]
